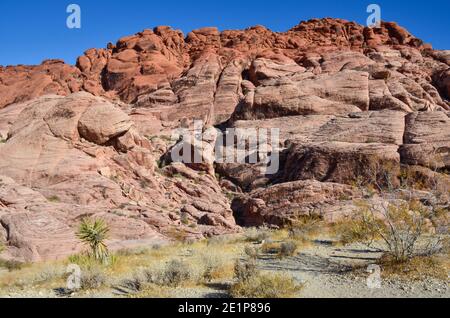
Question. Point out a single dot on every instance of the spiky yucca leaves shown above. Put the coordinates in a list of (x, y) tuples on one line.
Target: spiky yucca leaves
[(94, 233)]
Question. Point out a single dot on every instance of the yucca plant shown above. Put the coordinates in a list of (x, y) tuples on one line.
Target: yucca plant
[(94, 233)]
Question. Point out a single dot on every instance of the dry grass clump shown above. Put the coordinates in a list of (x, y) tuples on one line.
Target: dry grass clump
[(252, 252), (406, 232), (257, 235), (251, 283), (306, 227), (416, 268), (287, 249), (11, 265), (280, 249), (175, 274), (93, 278), (198, 265), (404, 229), (152, 291), (43, 275), (214, 266)]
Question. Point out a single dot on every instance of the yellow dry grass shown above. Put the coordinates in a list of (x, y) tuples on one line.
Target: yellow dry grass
[(207, 260)]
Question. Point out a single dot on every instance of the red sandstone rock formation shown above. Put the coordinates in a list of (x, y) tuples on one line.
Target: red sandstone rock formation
[(88, 139)]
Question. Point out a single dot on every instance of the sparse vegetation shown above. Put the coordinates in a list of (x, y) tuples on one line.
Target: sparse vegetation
[(257, 235), (92, 279), (252, 252), (175, 274), (404, 228), (170, 269), (287, 249), (304, 228), (11, 265), (252, 283), (280, 249), (416, 268), (54, 199)]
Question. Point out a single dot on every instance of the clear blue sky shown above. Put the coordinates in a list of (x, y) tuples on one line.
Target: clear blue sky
[(31, 31)]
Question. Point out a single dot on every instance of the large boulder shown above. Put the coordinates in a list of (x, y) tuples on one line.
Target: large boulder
[(341, 162), (102, 122), (282, 204)]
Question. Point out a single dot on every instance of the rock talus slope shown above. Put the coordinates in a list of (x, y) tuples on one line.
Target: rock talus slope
[(92, 139)]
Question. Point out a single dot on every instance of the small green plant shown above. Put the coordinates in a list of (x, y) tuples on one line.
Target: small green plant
[(94, 233), (54, 199), (2, 140)]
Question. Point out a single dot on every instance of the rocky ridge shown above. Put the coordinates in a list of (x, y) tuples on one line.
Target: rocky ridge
[(90, 139)]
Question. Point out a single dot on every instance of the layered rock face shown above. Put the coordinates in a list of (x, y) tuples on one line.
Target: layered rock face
[(79, 156), (351, 103)]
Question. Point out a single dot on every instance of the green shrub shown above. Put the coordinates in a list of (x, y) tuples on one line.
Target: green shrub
[(94, 233)]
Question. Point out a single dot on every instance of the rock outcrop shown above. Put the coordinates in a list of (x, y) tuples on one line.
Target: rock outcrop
[(71, 157), (352, 104)]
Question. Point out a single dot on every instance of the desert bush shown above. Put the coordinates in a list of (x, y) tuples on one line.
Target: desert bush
[(137, 283), (92, 279), (251, 283), (287, 249), (94, 233), (49, 273), (252, 252), (280, 249), (416, 268), (175, 274), (257, 235), (270, 247), (303, 228), (404, 228), (222, 240), (11, 265), (213, 266), (244, 270)]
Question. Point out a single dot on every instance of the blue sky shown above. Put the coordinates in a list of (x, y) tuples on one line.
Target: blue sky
[(31, 31)]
